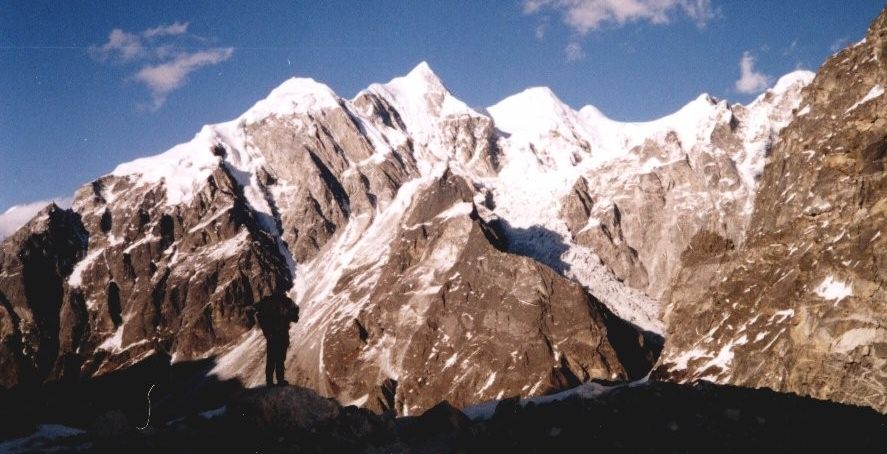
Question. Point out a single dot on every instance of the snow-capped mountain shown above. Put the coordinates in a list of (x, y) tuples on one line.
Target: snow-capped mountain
[(435, 251)]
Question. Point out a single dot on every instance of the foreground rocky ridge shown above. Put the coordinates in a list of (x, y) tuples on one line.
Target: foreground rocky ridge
[(651, 417), (800, 306), (435, 251)]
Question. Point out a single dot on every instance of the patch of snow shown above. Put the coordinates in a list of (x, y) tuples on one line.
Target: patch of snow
[(450, 361), (832, 289), (490, 380), (114, 343), (227, 248), (683, 359), (457, 210), (41, 440), (146, 239), (781, 316), (588, 390), (876, 91), (76, 277), (214, 413)]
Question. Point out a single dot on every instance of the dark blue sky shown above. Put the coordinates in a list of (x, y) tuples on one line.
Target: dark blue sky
[(68, 115)]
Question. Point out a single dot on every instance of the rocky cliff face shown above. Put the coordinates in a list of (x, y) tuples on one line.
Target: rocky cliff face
[(38, 322), (800, 305), (450, 314), (435, 251)]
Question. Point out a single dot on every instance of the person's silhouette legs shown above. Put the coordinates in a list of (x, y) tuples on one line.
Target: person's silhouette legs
[(281, 358), (270, 360)]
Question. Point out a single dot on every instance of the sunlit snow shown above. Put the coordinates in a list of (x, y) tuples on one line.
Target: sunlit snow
[(832, 289)]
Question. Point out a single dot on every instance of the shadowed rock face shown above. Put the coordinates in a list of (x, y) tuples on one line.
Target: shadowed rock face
[(37, 321), (800, 306)]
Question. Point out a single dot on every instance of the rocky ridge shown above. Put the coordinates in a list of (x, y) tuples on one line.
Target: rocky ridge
[(649, 417), (799, 306)]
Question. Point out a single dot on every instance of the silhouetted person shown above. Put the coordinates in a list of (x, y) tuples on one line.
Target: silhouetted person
[(274, 314)]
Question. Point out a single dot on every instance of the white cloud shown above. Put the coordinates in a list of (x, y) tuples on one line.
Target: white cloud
[(166, 64), (586, 15), (173, 29), (574, 51), (751, 80), (121, 47), (164, 78), (19, 215)]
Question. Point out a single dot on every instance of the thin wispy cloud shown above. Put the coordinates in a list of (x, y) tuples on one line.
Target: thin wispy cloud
[(751, 80), (165, 62), (586, 15), (121, 47), (17, 216), (540, 30), (166, 77), (574, 51), (583, 16), (791, 49), (838, 45), (174, 29)]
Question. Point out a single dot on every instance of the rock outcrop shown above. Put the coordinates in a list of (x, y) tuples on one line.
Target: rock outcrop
[(799, 305)]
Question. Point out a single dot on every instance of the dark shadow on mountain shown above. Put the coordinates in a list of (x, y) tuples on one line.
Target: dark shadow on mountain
[(637, 349), (536, 242)]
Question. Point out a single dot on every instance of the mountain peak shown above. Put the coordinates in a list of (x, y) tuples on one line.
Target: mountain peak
[(786, 82), (296, 95), (421, 79), (541, 100), (538, 94), (423, 70), (534, 109), (421, 97)]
